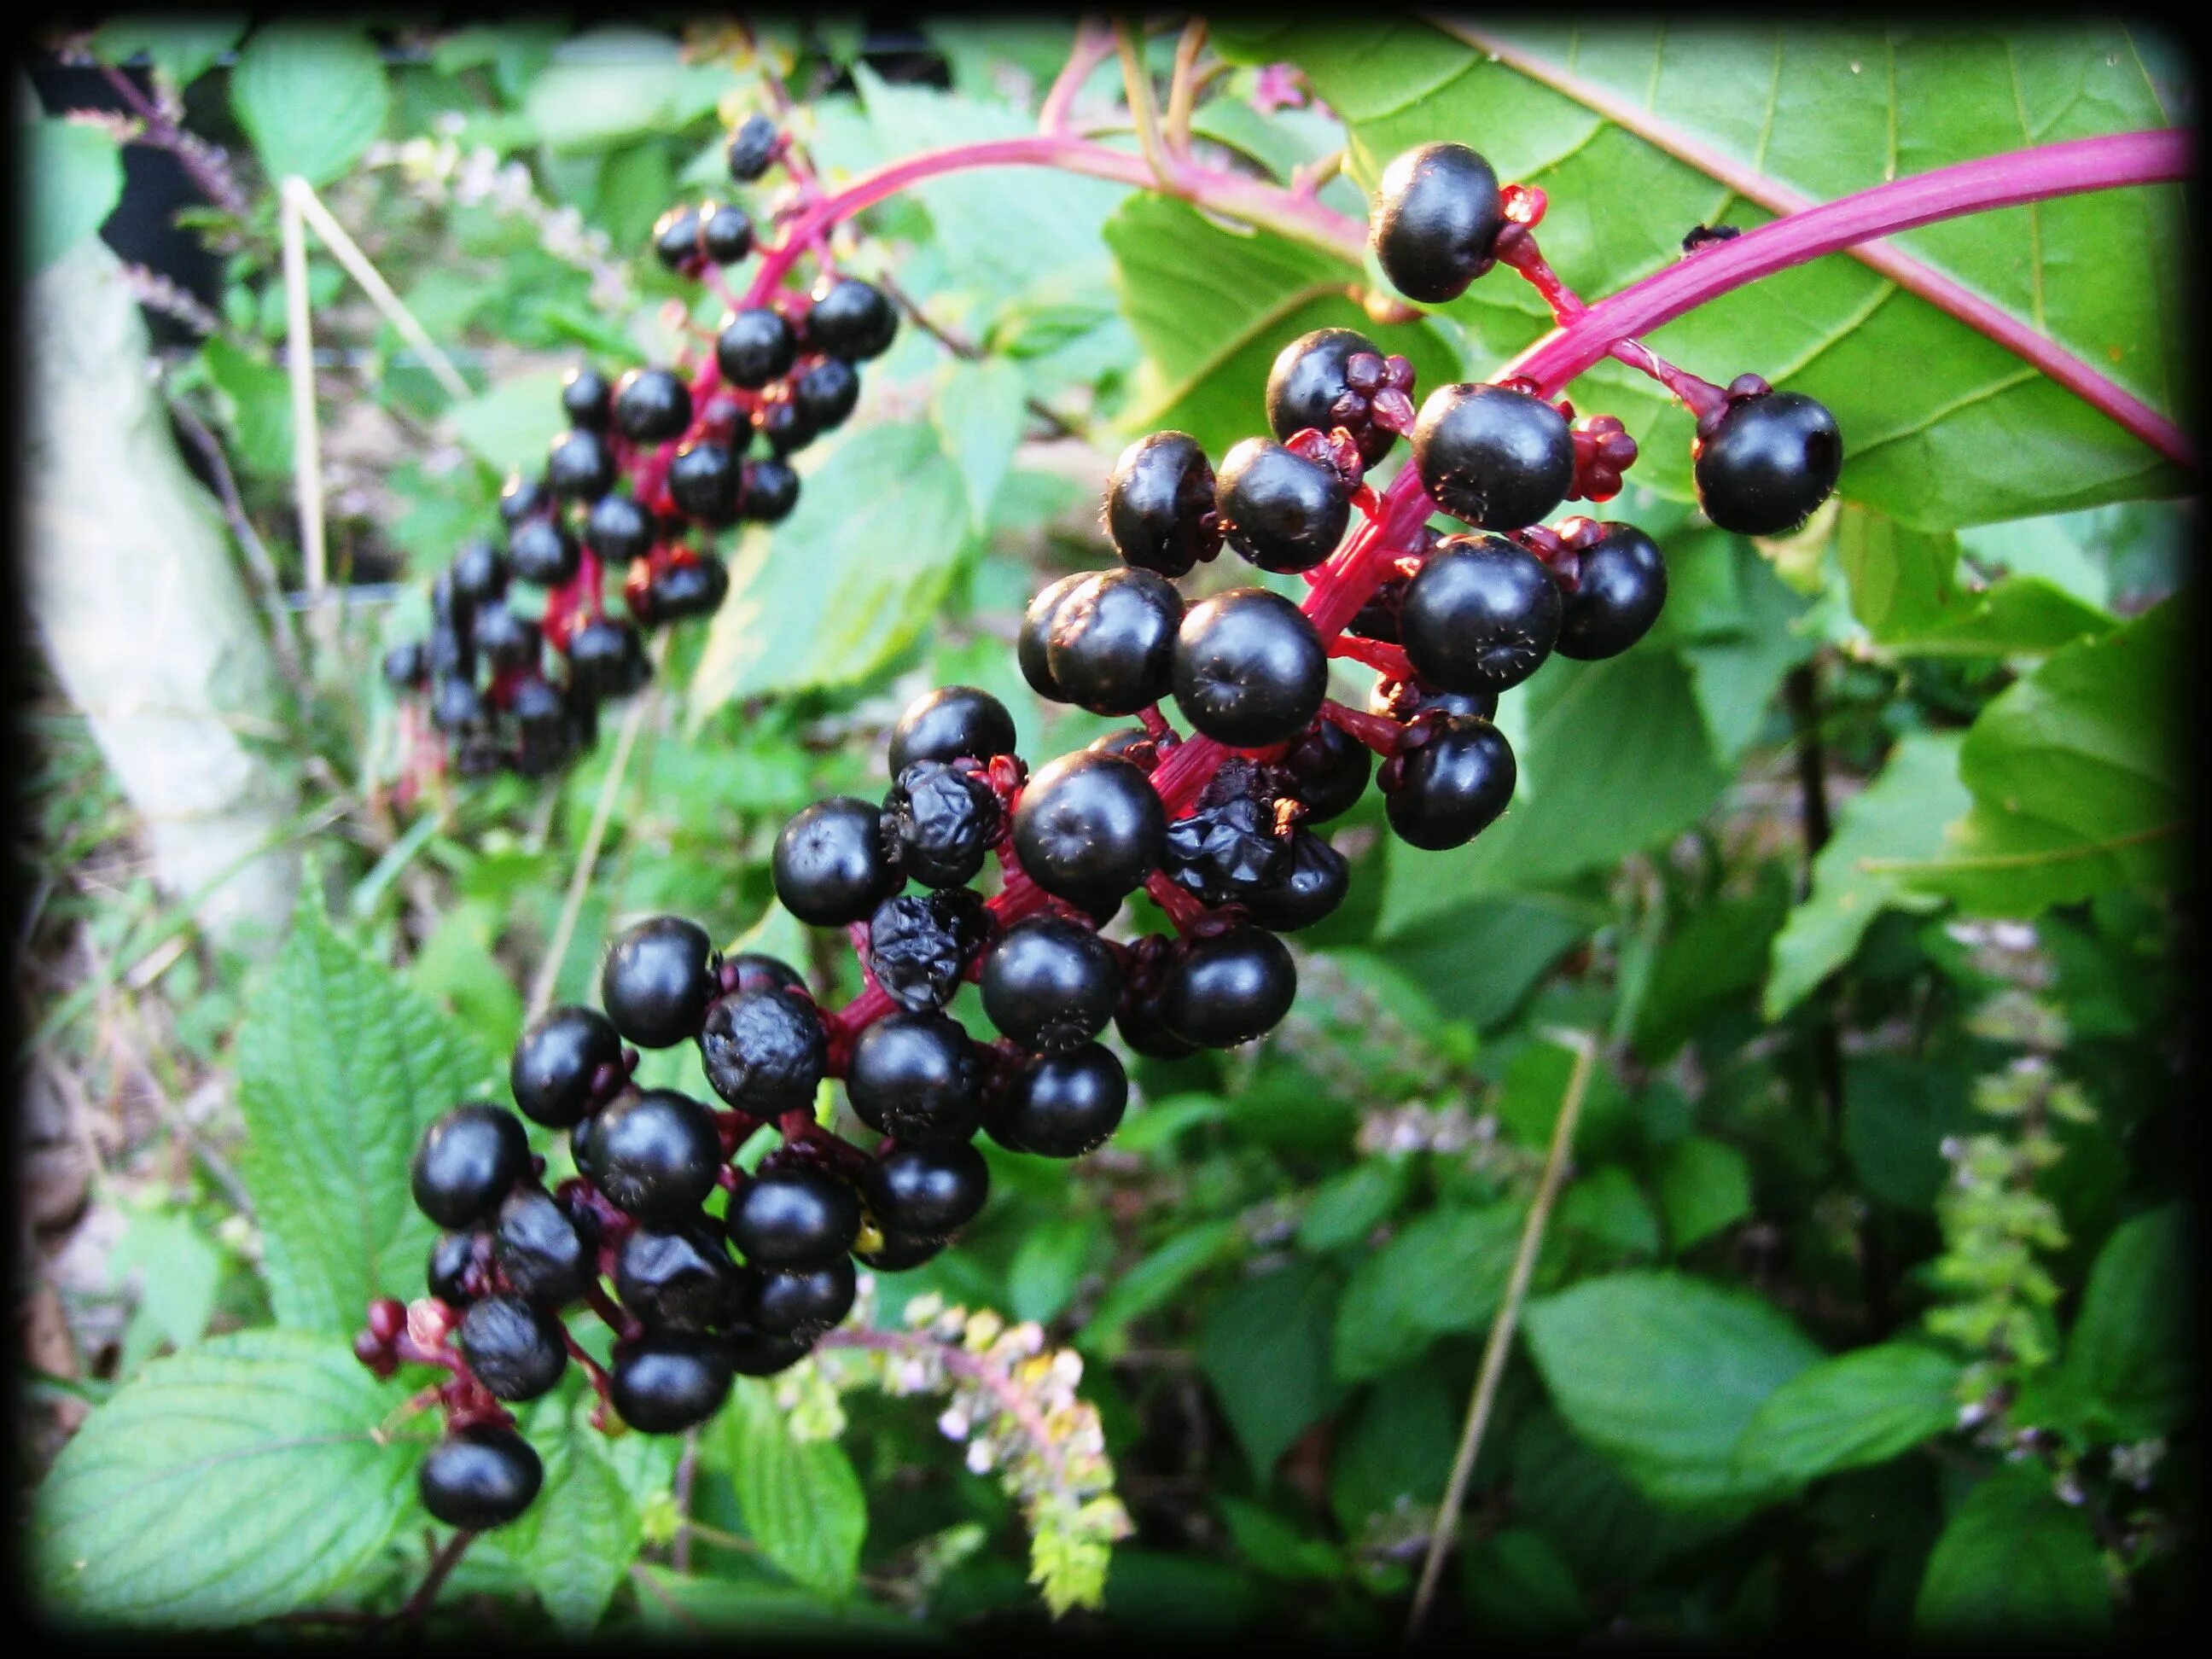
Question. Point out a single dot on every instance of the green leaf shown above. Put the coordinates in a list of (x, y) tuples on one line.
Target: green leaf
[(341, 1067), (1479, 961), (584, 1530), (2075, 776), (847, 581), (1737, 667), (1704, 1187), (511, 422), (978, 414), (609, 85), (1049, 1263), (1212, 307), (1821, 111), (675, 1604), (1274, 1546), (1860, 1407), (1716, 954), (257, 396), (1444, 1272), (1517, 1584), (1904, 586), (2014, 1562), (1901, 814), (2129, 1352), (1154, 1280), (1608, 1207), (1352, 1203), (1396, 1446), (179, 1273), (311, 96), (1664, 1373), (1897, 1113), (75, 178), (242, 1480), (801, 1500), (181, 48), (1266, 1351)]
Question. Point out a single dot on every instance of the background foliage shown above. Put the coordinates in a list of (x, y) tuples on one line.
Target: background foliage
[(1864, 1302)]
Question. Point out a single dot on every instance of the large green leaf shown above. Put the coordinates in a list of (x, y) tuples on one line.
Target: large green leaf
[(2076, 778), (1970, 432), (511, 423), (311, 96), (1445, 1272), (74, 177), (181, 48), (2130, 1353), (577, 1541), (2014, 1562), (1901, 814), (847, 581), (1664, 1373), (801, 1500), (1858, 1408), (341, 1066), (618, 83), (1265, 1349), (242, 1480), (1904, 588)]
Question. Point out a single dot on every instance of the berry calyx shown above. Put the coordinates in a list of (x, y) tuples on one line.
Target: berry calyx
[(1336, 377)]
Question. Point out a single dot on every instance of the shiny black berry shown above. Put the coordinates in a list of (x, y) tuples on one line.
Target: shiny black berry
[(478, 572), (1482, 615), (1770, 460), (1141, 1027), (449, 1275), (916, 1077), (1451, 788), (1620, 587), (703, 482), (607, 659), (656, 979), (546, 1256), (756, 346), (1497, 457), (678, 1278), (725, 234), (825, 392), (686, 587), (1325, 379), (652, 406), (850, 319), (1089, 828), (1033, 645), (1160, 504), (752, 148), (1330, 769), (505, 639), (794, 1217), (580, 465), (926, 1191), (521, 498), (653, 1154), (771, 490), (752, 1351), (479, 1477), (541, 551), (1109, 646), (617, 529), (783, 423), (1050, 983), (406, 665), (1436, 220), (764, 1051), (953, 722), (1060, 1105), (1276, 508), (802, 1302), (513, 1348), (675, 240), (466, 1163), (455, 706), (1250, 671), (670, 1381), (1228, 989), (1315, 884), (586, 398), (943, 819), (830, 866), (919, 946)]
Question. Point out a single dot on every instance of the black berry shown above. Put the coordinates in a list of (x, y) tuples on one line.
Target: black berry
[(586, 398), (1250, 671), (1451, 788), (943, 819), (466, 1162), (680, 1278), (927, 1191), (1225, 851), (900, 1251), (1497, 457), (954, 722), (1276, 508), (915, 1077), (1481, 615), (675, 240), (752, 148), (703, 482), (1620, 587), (1771, 459), (1060, 1105), (1436, 220), (478, 572), (725, 234), (515, 1349), (1315, 884), (670, 1381), (826, 393), (803, 1302), (542, 552), (692, 586), (831, 866), (850, 319), (764, 1051), (919, 946), (794, 1217), (656, 979), (546, 1257), (1329, 769), (652, 406), (771, 490), (653, 1154), (1033, 645), (618, 529), (607, 659), (1330, 379), (756, 346), (1228, 989), (1049, 983), (1160, 504), (580, 465), (752, 1351), (1111, 645), (479, 1477), (448, 1276), (1089, 828)]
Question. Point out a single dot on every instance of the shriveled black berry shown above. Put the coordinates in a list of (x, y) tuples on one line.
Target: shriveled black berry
[(1436, 220), (466, 1161), (686, 587), (703, 482), (1497, 457), (764, 1051), (515, 1349), (919, 946), (752, 1351), (669, 1381), (542, 552), (1050, 983), (1033, 645), (850, 319), (618, 529), (803, 1302), (580, 465), (1160, 504), (1060, 1105), (607, 659), (916, 1077), (652, 406), (1482, 615), (1223, 852), (479, 1477), (653, 1153), (1311, 385), (1089, 828), (757, 345), (825, 392), (1770, 460), (830, 866), (798, 1216), (943, 819), (1250, 671), (752, 148), (771, 491), (1228, 989), (1111, 645), (586, 398), (1276, 508), (1405, 701), (1620, 587), (675, 240), (679, 1278), (1330, 769), (656, 979), (1451, 788), (546, 1256), (452, 1255), (954, 722), (478, 572), (1315, 884), (932, 1191), (725, 234)]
